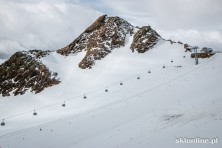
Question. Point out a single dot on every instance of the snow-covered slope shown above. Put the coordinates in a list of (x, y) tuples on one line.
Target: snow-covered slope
[(148, 110)]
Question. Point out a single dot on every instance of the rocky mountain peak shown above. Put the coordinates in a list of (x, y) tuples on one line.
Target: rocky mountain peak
[(105, 34)]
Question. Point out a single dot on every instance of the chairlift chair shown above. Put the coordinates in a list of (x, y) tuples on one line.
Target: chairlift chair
[(84, 97), (34, 113), (121, 83), (138, 77), (3, 122), (106, 90), (63, 105)]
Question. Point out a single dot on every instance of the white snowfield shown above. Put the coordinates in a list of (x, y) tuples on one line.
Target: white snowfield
[(148, 110)]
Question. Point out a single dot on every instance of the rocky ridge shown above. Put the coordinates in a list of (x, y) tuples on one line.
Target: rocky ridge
[(106, 34)]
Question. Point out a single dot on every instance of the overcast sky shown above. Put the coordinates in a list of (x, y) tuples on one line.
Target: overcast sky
[(52, 24)]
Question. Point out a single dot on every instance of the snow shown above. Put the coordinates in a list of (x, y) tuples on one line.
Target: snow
[(153, 111)]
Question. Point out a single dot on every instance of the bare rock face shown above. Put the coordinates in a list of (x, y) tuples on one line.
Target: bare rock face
[(98, 40), (144, 39), (22, 72)]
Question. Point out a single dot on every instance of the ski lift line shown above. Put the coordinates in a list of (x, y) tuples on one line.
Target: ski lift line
[(79, 96), (44, 107), (47, 106), (26, 130), (59, 120), (59, 102), (72, 116), (49, 123), (53, 104)]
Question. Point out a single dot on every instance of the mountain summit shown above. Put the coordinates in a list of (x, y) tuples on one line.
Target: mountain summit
[(106, 34)]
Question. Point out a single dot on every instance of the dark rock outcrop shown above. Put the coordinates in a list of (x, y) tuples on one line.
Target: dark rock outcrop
[(144, 39), (188, 47), (171, 41), (22, 72), (179, 42)]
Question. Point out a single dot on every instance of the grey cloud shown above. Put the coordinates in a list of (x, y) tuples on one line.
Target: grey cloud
[(170, 14), (178, 19), (41, 25), (187, 14)]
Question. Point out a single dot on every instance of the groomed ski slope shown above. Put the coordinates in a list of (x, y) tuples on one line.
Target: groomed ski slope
[(152, 111)]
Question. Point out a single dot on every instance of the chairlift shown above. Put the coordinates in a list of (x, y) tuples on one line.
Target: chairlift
[(84, 97), (34, 113), (63, 105), (3, 122)]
